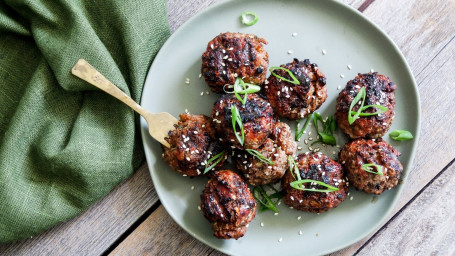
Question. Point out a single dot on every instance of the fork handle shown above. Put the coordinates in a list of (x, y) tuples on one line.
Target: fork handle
[(86, 72)]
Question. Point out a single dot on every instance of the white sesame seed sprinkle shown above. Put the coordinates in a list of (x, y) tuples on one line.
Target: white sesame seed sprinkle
[(294, 34), (352, 197), (300, 232), (262, 224), (192, 187), (299, 217), (289, 52), (199, 208), (349, 67), (371, 70), (200, 75), (202, 93), (339, 87), (324, 52), (280, 240), (341, 75)]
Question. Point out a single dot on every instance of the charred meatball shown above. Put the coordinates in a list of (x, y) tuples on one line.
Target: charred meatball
[(257, 119), (228, 203), (319, 167), (276, 148), (232, 55), (361, 151), (296, 101), (192, 143), (379, 91)]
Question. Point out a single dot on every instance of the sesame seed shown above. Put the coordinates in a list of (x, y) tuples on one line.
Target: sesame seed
[(299, 217), (352, 197), (199, 208), (310, 148), (339, 87), (192, 187), (280, 240), (341, 75), (299, 148), (289, 52), (294, 34), (349, 67), (262, 224), (300, 232), (187, 159), (275, 214), (202, 93), (324, 52), (224, 72), (225, 57), (333, 152), (292, 198), (371, 70), (200, 75)]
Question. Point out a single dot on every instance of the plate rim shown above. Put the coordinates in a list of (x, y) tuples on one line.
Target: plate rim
[(353, 11)]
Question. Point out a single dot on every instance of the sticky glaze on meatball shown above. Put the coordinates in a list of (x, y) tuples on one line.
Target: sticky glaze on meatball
[(192, 143), (380, 90), (361, 151), (232, 55), (228, 204), (277, 148), (257, 118), (315, 166), (296, 101)]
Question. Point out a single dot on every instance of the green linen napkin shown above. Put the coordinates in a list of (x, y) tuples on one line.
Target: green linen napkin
[(63, 143)]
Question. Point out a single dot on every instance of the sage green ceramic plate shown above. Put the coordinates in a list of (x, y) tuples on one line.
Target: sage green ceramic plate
[(347, 38)]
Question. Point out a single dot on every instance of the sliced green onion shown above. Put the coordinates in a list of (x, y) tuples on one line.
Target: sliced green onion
[(382, 109), (360, 96), (294, 79), (298, 184), (293, 168), (237, 121), (212, 162), (249, 18), (328, 127), (240, 87), (298, 133), (368, 168), (266, 202), (401, 135), (260, 156)]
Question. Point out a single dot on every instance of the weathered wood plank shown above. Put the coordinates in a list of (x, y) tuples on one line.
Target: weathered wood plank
[(424, 227), (94, 231), (160, 235)]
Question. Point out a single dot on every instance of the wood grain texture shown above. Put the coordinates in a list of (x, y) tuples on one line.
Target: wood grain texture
[(425, 227), (95, 230), (160, 235)]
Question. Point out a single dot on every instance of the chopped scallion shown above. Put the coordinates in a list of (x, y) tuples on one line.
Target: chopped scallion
[(368, 168), (294, 79), (298, 184), (249, 18), (260, 156), (265, 200), (212, 162), (401, 135), (237, 121), (298, 133)]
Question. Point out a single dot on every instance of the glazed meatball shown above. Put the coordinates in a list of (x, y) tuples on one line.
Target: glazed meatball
[(379, 91), (232, 55), (228, 204), (257, 119), (296, 101), (361, 151), (315, 166), (277, 148), (192, 143)]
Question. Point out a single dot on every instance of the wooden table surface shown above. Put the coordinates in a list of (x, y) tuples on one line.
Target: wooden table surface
[(132, 221)]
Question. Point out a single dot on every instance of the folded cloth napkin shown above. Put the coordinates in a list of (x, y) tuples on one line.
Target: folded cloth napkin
[(63, 143)]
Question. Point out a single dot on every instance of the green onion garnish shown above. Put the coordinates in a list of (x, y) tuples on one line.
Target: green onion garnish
[(212, 162), (298, 133), (401, 135), (298, 184), (368, 168), (266, 200), (294, 79), (240, 87), (382, 109), (293, 168), (249, 18), (328, 127), (360, 95), (353, 115), (260, 156), (237, 120)]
